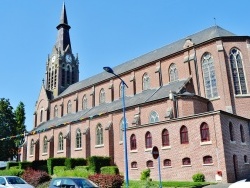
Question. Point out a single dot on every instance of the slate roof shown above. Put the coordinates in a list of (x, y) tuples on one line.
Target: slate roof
[(197, 38), (130, 101)]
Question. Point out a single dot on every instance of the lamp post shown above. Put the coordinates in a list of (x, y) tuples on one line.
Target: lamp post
[(109, 70)]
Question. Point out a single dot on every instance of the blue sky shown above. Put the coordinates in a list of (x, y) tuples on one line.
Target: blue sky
[(103, 33)]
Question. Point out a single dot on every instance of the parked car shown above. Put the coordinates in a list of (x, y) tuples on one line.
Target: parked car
[(241, 184), (14, 181), (67, 182)]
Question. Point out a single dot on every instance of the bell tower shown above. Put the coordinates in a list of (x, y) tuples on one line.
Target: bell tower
[(62, 66)]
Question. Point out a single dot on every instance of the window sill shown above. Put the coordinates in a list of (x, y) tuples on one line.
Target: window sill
[(242, 96), (183, 166), (232, 142), (150, 167), (44, 154), (99, 146), (206, 143), (215, 98), (60, 151), (211, 164), (167, 167), (133, 151), (246, 163), (148, 150), (134, 168), (78, 149), (243, 143), (31, 155), (121, 142), (166, 147)]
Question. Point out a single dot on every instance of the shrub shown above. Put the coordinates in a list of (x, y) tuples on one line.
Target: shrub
[(71, 163), (105, 181), (145, 174), (112, 170), (199, 177), (58, 169), (11, 164), (51, 162), (11, 172), (44, 185), (74, 173), (35, 177), (83, 168), (40, 165), (96, 162), (24, 165)]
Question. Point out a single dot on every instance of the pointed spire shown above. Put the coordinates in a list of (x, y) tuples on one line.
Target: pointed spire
[(63, 39)]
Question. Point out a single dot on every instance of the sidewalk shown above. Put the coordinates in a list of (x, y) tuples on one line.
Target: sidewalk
[(219, 185)]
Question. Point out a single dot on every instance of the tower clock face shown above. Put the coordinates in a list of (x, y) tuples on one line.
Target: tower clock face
[(53, 58), (68, 58)]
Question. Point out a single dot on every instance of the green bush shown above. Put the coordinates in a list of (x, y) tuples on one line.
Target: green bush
[(145, 174), (96, 162), (71, 163), (74, 173), (11, 164), (51, 162), (58, 169), (25, 165), (40, 165), (199, 177), (83, 168), (111, 170), (11, 172)]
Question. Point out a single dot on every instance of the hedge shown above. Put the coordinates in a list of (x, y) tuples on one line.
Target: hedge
[(51, 162)]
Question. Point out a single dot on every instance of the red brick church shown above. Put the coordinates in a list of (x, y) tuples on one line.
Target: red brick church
[(189, 98)]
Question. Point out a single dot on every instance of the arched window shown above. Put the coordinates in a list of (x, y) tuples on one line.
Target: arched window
[(209, 76), (167, 162), (231, 131), (238, 72), (242, 134), (60, 142), (45, 144), (78, 138), (99, 134), (133, 142), (84, 102), (32, 147), (165, 137), (134, 164), (173, 73), (55, 111), (207, 159), (102, 96), (150, 164), (204, 129), (145, 82), (148, 140), (153, 117), (121, 90), (245, 159), (186, 161), (41, 115), (69, 107), (184, 135)]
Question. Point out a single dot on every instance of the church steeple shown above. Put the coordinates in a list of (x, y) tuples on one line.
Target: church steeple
[(62, 66), (63, 39)]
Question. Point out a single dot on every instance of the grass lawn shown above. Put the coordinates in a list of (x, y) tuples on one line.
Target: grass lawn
[(172, 184)]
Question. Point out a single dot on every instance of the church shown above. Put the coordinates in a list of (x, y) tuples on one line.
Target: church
[(189, 98)]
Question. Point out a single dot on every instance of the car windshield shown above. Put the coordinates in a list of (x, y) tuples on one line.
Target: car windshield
[(84, 183), (15, 180)]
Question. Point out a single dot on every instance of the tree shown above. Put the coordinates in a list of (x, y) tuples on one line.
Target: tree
[(7, 125), (11, 126), (20, 127)]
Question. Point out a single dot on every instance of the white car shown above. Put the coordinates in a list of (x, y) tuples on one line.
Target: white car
[(14, 182), (241, 184)]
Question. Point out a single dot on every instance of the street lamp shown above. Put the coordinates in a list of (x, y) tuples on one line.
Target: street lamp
[(109, 70)]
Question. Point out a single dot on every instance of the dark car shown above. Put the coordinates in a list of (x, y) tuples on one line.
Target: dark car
[(67, 182)]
